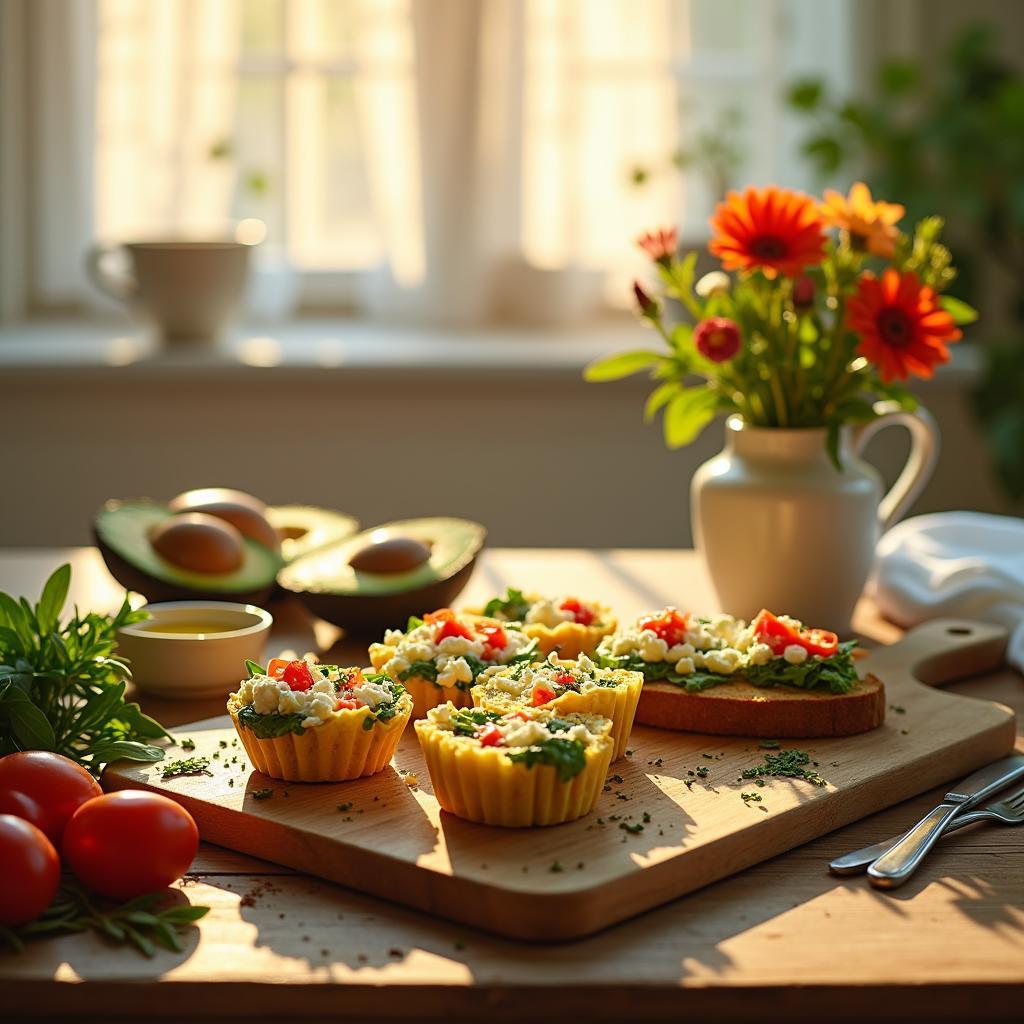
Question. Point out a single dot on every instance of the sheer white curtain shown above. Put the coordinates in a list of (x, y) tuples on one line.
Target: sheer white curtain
[(438, 160)]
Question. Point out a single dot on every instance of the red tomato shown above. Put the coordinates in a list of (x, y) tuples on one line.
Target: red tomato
[(54, 784), (670, 625), (580, 612), (441, 615), (129, 843), (779, 635), (495, 638), (489, 736), (297, 675), (346, 704), (565, 679), (31, 871), (542, 695), (452, 627)]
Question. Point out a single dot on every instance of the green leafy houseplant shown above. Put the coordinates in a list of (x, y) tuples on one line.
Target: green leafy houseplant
[(830, 309), (948, 135), (62, 686)]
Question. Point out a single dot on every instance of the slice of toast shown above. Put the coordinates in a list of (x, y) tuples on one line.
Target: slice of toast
[(740, 709)]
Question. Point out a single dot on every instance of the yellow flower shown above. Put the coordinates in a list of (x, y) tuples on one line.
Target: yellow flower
[(871, 224)]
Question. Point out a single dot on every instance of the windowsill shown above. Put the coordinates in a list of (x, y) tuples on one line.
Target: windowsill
[(59, 348), (304, 345)]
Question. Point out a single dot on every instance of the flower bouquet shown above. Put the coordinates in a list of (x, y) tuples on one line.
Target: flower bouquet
[(832, 308), (806, 337)]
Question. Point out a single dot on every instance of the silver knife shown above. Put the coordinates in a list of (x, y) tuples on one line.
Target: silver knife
[(913, 845)]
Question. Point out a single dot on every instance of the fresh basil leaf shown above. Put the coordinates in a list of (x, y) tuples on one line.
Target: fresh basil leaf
[(254, 669), (466, 721), (414, 623), (55, 593), (28, 725), (513, 606)]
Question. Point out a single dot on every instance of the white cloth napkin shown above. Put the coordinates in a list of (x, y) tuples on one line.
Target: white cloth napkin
[(966, 564)]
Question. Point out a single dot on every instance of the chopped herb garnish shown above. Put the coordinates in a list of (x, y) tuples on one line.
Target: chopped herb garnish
[(751, 798), (186, 766), (787, 764), (347, 806), (262, 794), (703, 771), (634, 827), (568, 757), (187, 744), (555, 868)]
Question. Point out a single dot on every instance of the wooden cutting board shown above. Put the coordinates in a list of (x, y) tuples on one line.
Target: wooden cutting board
[(671, 819)]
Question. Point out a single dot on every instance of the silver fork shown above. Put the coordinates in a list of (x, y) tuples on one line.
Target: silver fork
[(1009, 812)]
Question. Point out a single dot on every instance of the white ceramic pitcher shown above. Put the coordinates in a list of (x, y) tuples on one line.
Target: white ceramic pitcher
[(780, 528)]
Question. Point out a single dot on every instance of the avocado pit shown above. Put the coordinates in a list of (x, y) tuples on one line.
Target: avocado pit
[(390, 556), (199, 542), (244, 512)]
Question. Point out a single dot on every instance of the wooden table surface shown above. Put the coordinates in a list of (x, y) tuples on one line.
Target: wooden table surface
[(784, 940)]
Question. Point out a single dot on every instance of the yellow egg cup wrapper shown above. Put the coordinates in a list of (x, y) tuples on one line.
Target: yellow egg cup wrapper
[(481, 784), (616, 703), (336, 751), (569, 639)]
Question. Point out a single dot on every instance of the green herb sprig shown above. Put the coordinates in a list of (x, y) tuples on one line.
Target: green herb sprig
[(62, 686), (568, 757), (140, 922)]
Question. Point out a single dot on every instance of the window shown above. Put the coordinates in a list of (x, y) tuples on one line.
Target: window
[(430, 159)]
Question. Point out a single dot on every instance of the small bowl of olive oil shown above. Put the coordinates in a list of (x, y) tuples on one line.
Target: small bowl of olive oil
[(193, 649)]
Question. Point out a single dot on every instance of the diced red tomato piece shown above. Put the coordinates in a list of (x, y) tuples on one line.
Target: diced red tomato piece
[(542, 695), (297, 675), (441, 615), (489, 736), (778, 635), (346, 703), (522, 715), (580, 612), (565, 679), (671, 625), (495, 638), (452, 628), (352, 678), (276, 667)]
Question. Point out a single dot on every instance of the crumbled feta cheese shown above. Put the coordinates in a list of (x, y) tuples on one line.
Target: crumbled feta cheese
[(759, 654), (455, 670), (624, 644), (395, 667), (545, 613), (393, 636), (372, 694), (684, 666), (795, 654), (524, 734), (652, 648), (457, 645)]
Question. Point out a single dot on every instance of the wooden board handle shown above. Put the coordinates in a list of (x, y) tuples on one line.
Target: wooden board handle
[(943, 651)]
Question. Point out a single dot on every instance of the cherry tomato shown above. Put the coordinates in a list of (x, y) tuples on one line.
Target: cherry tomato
[(565, 679), (495, 638), (54, 784), (580, 612), (489, 736), (670, 625), (31, 871), (542, 695), (779, 635), (129, 843), (297, 675)]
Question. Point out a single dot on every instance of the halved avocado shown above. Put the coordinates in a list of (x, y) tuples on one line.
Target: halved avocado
[(122, 530), (380, 577), (304, 528)]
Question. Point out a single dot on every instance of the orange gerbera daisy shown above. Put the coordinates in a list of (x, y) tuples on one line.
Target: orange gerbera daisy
[(871, 224), (903, 329), (774, 229)]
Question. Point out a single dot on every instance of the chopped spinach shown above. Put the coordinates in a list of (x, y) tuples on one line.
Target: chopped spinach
[(267, 727), (466, 721), (568, 757)]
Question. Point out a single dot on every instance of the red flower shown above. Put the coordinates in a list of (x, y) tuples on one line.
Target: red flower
[(660, 245), (903, 329), (717, 338), (773, 229)]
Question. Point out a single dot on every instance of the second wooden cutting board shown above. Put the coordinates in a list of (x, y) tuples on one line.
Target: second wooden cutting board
[(673, 816)]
